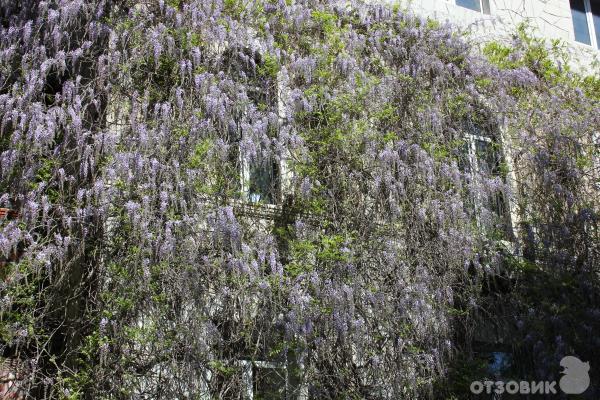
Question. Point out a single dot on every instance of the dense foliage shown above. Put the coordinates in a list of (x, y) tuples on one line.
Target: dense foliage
[(136, 269)]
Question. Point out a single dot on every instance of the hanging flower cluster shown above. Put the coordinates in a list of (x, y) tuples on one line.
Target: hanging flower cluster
[(132, 132)]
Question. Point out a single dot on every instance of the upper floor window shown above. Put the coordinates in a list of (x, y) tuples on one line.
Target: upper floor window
[(482, 155), (262, 182), (258, 172), (477, 5), (586, 21)]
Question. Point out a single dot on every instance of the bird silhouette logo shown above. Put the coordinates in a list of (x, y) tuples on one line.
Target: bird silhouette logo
[(576, 378)]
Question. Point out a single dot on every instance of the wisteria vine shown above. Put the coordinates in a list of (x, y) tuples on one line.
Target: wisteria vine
[(136, 266)]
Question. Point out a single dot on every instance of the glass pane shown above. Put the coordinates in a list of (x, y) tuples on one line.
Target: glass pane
[(464, 162), (472, 4), (487, 157), (596, 16), (263, 182), (580, 25), (243, 64), (488, 163)]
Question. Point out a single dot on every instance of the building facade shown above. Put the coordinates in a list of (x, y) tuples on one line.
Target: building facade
[(575, 22)]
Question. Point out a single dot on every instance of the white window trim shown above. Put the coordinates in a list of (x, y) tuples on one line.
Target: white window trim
[(590, 22), (245, 177), (596, 160)]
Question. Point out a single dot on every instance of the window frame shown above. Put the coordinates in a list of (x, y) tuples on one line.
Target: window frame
[(484, 6), (248, 373), (474, 163), (589, 18), (247, 168)]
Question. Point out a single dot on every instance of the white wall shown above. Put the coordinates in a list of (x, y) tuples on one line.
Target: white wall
[(550, 18)]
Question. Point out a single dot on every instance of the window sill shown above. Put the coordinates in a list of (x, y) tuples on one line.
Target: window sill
[(584, 45)]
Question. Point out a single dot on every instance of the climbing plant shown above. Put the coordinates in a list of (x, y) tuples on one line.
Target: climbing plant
[(417, 176)]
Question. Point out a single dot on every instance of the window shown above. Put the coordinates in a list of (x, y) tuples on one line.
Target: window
[(477, 5), (263, 181), (586, 21), (489, 161), (256, 380), (484, 155), (259, 174)]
